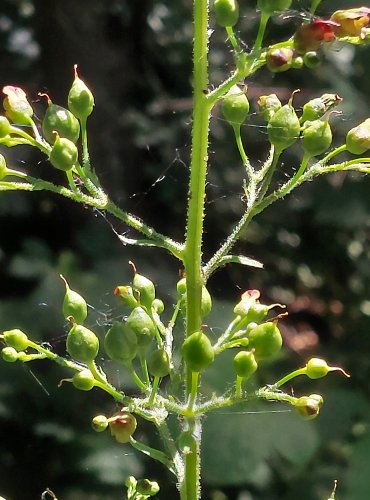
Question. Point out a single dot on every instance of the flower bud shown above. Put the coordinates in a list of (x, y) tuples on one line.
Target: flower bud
[(245, 364), (126, 295), (198, 352), (64, 154), (60, 120), (17, 108), (120, 342), (83, 380), (316, 108), (271, 6), (82, 344), (226, 12), (308, 407), (358, 138), (283, 128), (16, 338), (280, 59), (3, 167), (318, 368), (99, 423), (145, 290), (158, 363), (316, 137), (74, 306), (351, 22), (265, 340), (158, 306), (268, 105), (9, 354), (206, 299), (235, 106), (181, 287), (146, 487), (311, 59), (4, 127), (80, 98), (310, 36), (122, 426)]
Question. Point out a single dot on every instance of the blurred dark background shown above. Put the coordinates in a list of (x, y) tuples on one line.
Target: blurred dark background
[(136, 58)]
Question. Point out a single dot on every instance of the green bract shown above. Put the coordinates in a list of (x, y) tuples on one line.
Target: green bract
[(80, 99), (283, 128), (358, 138), (122, 426), (235, 106), (83, 380), (265, 339), (16, 338), (158, 363), (226, 12), (64, 154), (82, 344), (271, 6), (120, 342), (74, 306), (60, 120), (198, 352), (245, 364), (316, 137)]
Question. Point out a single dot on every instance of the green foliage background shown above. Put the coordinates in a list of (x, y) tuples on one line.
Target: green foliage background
[(136, 57)]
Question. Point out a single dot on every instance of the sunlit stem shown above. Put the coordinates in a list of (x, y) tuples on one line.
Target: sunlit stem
[(335, 152), (289, 376), (270, 172), (243, 155), (239, 387), (233, 40), (194, 390), (154, 390), (261, 31)]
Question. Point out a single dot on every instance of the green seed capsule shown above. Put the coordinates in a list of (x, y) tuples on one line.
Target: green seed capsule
[(265, 339), (311, 59), (83, 380), (60, 120), (283, 128), (122, 426), (318, 368), (226, 12), (99, 423), (9, 354), (74, 306), (198, 352), (278, 60), (80, 98), (4, 126), (17, 108), (120, 342), (146, 487), (316, 137), (64, 154), (126, 295), (245, 364), (271, 6), (145, 290), (142, 325), (181, 287), (358, 138), (308, 407), (16, 338), (158, 363), (235, 106), (268, 105), (316, 108), (82, 344)]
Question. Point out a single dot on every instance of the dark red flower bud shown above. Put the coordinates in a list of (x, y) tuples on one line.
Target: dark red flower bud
[(310, 36)]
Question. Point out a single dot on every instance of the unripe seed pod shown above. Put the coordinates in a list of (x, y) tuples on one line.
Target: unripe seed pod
[(9, 354), (318, 368), (158, 363), (83, 380), (316, 137), (268, 105), (4, 126), (235, 106), (140, 322), (198, 352), (120, 342), (80, 98), (74, 305), (245, 364), (146, 487), (271, 6), (158, 306), (122, 426), (60, 120), (16, 338), (181, 287), (99, 423), (64, 154), (283, 129), (358, 138), (311, 59), (206, 299), (278, 60), (265, 339), (226, 12), (126, 295), (145, 289), (17, 108), (82, 344), (316, 108), (308, 407)]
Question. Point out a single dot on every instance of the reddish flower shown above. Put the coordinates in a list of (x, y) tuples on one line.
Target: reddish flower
[(351, 22), (309, 37)]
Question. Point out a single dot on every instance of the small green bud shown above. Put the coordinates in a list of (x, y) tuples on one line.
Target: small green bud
[(311, 59), (83, 380), (198, 352), (226, 12), (122, 426), (146, 487), (318, 368), (60, 120), (271, 6), (265, 339), (145, 290), (316, 108), (268, 105), (206, 299), (283, 128), (358, 138), (126, 295), (82, 344), (9, 354), (16, 338), (158, 306), (17, 108), (297, 62), (280, 59), (181, 287), (308, 407), (158, 363), (99, 423), (316, 137), (4, 127), (3, 167), (245, 364), (80, 98), (120, 342), (74, 306), (235, 106), (64, 154)]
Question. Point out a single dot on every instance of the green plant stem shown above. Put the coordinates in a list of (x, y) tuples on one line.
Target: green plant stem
[(233, 40), (335, 152), (243, 155), (289, 376), (239, 387), (270, 172), (154, 390), (261, 31), (194, 391)]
